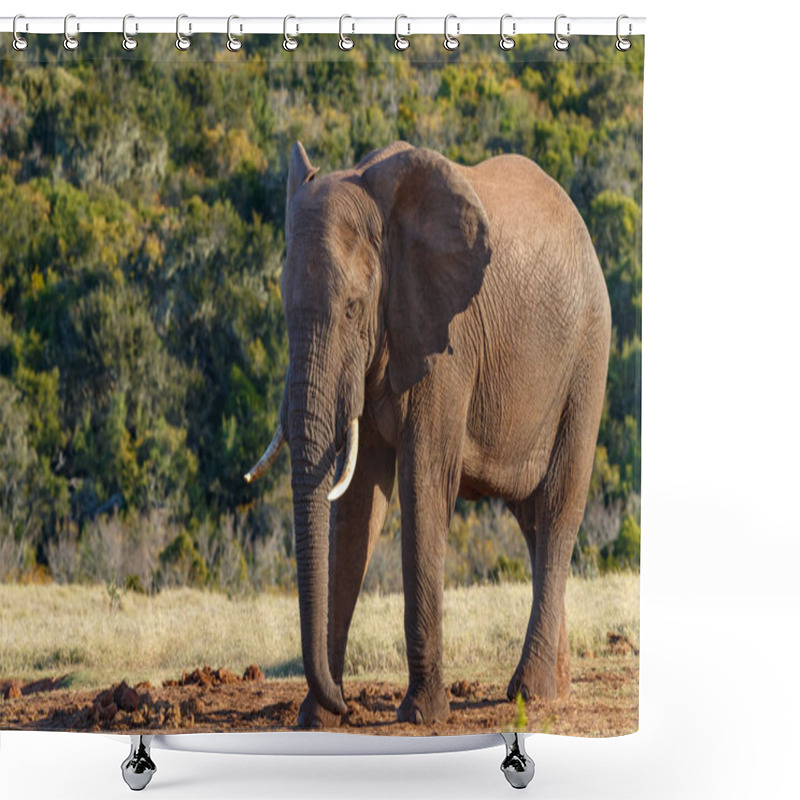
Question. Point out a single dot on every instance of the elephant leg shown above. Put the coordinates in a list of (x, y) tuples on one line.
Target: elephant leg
[(428, 487), (557, 510), (525, 514), (356, 522)]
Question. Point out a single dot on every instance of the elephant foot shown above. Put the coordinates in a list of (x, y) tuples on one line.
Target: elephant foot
[(424, 705), (534, 681), (313, 715)]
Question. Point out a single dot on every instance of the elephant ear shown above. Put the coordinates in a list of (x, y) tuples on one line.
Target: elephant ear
[(301, 171), (437, 249)]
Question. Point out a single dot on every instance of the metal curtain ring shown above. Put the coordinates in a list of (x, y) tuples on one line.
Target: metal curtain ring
[(19, 43), (506, 42), (400, 42), (181, 42), (560, 42), (289, 44), (450, 42), (623, 44), (345, 42), (70, 42), (128, 42), (233, 44)]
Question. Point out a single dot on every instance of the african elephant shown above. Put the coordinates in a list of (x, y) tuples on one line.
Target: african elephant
[(451, 323)]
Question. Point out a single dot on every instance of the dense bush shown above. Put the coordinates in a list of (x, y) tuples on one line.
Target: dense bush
[(142, 341)]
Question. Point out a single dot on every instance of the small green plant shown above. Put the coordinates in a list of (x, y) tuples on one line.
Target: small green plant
[(520, 718)]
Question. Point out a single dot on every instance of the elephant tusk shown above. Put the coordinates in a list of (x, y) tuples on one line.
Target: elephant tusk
[(351, 453), (269, 457)]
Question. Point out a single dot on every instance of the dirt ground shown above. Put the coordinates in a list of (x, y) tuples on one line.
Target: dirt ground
[(604, 701)]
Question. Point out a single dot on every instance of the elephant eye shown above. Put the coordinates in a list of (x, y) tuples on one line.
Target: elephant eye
[(352, 309)]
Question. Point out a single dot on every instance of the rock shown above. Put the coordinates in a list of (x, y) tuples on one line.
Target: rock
[(173, 718), (200, 677), (138, 718), (126, 698), (192, 706), (225, 676), (208, 678), (620, 645), (253, 673), (12, 690), (105, 698), (465, 688), (366, 697), (107, 713)]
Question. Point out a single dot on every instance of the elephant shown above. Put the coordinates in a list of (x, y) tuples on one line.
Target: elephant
[(451, 325)]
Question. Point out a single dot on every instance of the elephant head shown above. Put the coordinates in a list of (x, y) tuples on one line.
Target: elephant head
[(379, 259)]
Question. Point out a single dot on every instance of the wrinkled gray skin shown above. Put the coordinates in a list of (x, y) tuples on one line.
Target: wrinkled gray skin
[(461, 314)]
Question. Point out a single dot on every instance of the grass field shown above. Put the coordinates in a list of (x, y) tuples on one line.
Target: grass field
[(95, 638)]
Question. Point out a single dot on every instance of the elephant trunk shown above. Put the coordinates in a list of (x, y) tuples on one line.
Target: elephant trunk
[(313, 453)]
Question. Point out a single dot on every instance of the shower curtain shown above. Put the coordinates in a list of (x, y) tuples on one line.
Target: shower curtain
[(176, 228)]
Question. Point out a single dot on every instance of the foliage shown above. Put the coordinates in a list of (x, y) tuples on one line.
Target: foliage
[(520, 717), (142, 339), (627, 547), (181, 564)]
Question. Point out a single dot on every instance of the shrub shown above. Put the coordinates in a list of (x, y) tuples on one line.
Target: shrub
[(180, 564), (12, 555), (62, 553), (509, 570), (626, 551), (485, 545), (222, 550), (385, 572)]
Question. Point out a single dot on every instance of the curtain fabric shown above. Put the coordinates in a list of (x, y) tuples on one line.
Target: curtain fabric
[(201, 248)]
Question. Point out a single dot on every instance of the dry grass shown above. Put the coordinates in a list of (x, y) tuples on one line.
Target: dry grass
[(54, 630)]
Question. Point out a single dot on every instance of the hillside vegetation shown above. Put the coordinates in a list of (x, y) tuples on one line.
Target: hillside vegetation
[(142, 341)]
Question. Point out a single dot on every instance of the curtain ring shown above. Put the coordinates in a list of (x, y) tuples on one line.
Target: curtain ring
[(70, 42), (233, 44), (19, 43), (289, 44), (506, 42), (400, 42), (560, 42), (181, 42), (450, 42), (345, 42), (623, 44), (128, 42)]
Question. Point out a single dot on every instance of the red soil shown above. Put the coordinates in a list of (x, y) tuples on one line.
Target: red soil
[(603, 702)]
